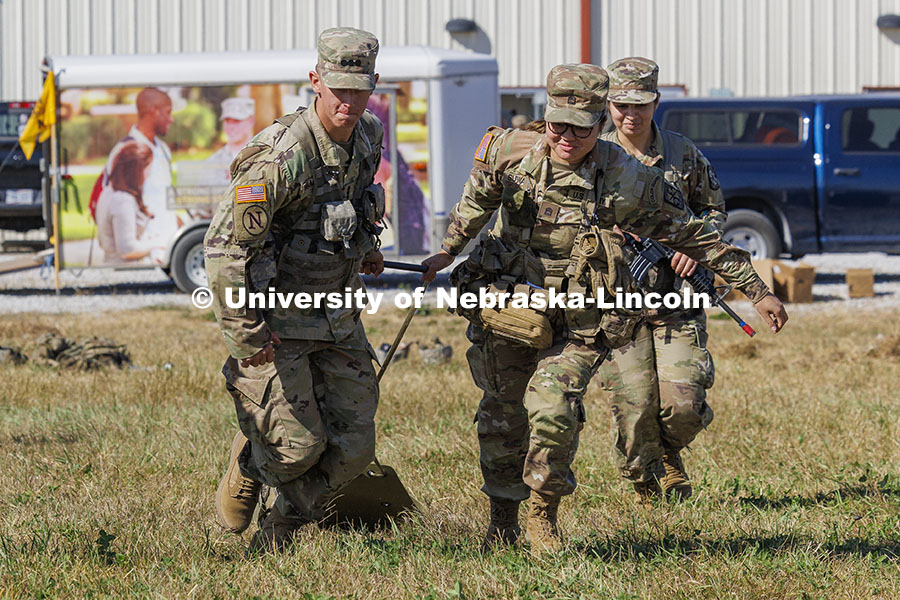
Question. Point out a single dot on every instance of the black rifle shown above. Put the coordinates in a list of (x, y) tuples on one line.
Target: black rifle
[(650, 252)]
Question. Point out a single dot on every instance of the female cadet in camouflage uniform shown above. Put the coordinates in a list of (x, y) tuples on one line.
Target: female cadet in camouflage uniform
[(658, 382), (556, 191), (300, 217)]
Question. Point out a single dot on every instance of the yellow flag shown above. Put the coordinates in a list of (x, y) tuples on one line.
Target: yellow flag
[(37, 129)]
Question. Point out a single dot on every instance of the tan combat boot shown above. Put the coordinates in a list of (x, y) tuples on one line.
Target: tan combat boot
[(675, 482), (237, 495), (541, 528), (504, 526), (274, 534), (646, 491)]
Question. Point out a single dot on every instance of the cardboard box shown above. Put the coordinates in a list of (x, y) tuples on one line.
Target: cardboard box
[(860, 283), (793, 283), (765, 268)]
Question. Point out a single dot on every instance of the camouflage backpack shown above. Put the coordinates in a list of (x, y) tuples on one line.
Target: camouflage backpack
[(93, 353)]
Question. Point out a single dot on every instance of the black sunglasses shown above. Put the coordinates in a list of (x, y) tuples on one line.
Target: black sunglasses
[(561, 128)]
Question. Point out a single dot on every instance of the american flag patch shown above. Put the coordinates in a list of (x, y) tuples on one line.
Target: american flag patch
[(250, 193), (483, 147)]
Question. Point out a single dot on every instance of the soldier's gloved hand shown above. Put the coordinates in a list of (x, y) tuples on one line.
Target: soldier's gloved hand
[(435, 263), (772, 311), (373, 265), (266, 355), (683, 264)]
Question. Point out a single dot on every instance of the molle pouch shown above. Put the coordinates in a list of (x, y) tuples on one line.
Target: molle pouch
[(522, 325), (616, 276), (467, 277), (517, 199), (618, 327), (583, 323), (490, 256), (534, 269), (338, 221), (498, 259), (373, 203), (525, 326), (586, 251), (589, 245)]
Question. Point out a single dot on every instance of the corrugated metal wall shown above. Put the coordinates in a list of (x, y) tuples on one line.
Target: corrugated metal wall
[(508, 28), (752, 47)]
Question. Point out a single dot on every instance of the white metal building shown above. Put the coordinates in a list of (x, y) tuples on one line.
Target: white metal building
[(744, 47)]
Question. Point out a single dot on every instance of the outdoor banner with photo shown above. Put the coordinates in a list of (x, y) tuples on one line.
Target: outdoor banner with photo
[(143, 163)]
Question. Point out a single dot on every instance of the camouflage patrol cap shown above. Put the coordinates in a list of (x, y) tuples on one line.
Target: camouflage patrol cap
[(633, 80), (576, 94), (347, 58)]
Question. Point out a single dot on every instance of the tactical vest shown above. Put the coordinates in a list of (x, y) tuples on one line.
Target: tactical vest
[(673, 152), (662, 279), (308, 260), (549, 235)]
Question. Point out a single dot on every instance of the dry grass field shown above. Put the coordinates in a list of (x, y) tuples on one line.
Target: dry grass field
[(107, 478)]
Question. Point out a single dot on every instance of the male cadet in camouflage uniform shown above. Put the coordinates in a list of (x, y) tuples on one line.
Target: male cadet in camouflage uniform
[(556, 191), (658, 382), (300, 217)]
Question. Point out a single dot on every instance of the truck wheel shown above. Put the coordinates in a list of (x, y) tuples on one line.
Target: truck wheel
[(753, 232), (187, 266)]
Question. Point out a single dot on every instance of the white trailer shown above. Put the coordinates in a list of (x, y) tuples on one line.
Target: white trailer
[(461, 98)]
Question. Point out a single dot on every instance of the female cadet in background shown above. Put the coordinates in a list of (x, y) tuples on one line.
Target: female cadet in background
[(657, 383)]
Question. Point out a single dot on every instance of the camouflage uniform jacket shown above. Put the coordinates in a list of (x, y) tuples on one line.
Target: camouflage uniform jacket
[(692, 174), (267, 231), (690, 171), (608, 188)]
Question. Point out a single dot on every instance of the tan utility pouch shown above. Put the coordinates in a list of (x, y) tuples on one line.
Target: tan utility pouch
[(523, 325)]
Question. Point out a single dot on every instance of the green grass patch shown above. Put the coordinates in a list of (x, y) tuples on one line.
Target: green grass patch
[(108, 477)]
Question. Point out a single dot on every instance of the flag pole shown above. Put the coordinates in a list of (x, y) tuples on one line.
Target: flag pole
[(54, 191), (42, 123)]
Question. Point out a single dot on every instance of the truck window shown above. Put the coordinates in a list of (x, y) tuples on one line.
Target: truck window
[(871, 130), (702, 127), (753, 126)]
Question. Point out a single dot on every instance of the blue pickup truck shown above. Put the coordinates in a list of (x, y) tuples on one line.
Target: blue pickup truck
[(22, 202), (801, 175)]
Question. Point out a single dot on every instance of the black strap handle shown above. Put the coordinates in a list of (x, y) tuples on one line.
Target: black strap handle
[(402, 266)]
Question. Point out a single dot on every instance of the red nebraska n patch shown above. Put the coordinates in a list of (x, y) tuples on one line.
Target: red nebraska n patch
[(484, 146)]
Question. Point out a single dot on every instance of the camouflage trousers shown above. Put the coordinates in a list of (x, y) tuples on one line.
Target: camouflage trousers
[(309, 416), (657, 391), (531, 412)]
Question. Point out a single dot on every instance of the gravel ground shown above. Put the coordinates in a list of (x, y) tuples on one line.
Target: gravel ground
[(108, 289)]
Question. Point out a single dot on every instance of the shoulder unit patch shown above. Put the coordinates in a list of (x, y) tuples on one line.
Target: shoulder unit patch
[(673, 196), (251, 219), (483, 148)]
